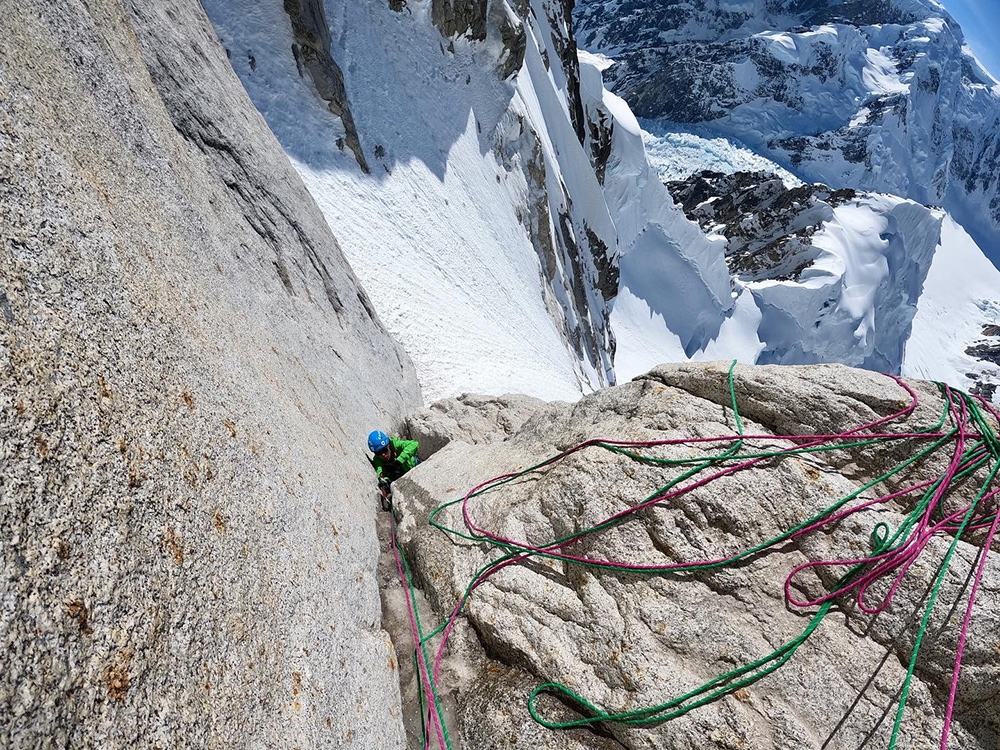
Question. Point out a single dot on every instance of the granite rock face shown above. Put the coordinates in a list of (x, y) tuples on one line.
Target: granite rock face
[(188, 368), (627, 641), (471, 419)]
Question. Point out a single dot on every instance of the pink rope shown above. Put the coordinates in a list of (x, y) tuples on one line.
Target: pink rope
[(898, 560), (421, 663), (965, 630), (479, 531), (953, 690), (902, 557)]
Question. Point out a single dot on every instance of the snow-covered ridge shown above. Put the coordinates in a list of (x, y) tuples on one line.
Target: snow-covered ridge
[(880, 96), (865, 279), (812, 275)]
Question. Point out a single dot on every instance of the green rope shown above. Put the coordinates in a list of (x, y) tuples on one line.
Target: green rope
[(422, 641), (986, 450), (925, 620)]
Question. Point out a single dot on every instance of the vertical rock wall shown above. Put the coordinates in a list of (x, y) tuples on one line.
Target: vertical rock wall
[(187, 371)]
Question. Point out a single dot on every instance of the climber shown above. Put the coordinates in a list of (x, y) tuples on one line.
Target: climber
[(393, 458)]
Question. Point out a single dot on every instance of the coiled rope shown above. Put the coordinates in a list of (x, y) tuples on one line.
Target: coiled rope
[(975, 450)]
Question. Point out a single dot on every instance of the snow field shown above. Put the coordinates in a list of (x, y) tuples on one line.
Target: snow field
[(961, 295), (433, 233)]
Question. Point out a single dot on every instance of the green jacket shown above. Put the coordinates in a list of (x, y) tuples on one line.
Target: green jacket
[(405, 452)]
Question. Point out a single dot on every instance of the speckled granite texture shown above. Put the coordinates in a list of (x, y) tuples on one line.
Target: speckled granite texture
[(187, 372)]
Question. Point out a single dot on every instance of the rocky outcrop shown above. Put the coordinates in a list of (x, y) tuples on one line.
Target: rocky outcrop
[(481, 19), (471, 419), (600, 127), (558, 14), (628, 641), (768, 226), (985, 349), (579, 269), (188, 368), (461, 17), (513, 39), (312, 54)]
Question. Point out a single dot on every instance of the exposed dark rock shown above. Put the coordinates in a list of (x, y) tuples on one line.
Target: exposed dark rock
[(981, 388), (768, 225), (479, 19), (514, 40), (312, 53), (861, 13), (560, 20), (600, 127), (539, 220), (522, 8), (985, 352), (931, 84), (607, 265), (460, 17)]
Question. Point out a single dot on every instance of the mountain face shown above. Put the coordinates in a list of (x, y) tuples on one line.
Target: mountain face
[(189, 364), (447, 140), (500, 203), (867, 95), (188, 367)]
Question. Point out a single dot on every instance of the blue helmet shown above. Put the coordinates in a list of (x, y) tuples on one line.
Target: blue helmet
[(378, 441)]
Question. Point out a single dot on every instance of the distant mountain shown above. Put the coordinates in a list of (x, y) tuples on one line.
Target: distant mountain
[(877, 95), (866, 279)]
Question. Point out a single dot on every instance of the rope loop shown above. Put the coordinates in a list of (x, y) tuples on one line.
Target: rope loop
[(880, 537), (965, 433)]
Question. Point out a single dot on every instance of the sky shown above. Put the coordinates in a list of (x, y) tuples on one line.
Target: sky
[(980, 20)]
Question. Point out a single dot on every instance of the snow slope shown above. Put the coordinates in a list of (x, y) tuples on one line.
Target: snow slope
[(854, 304), (960, 301), (437, 232), (675, 295), (866, 300)]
